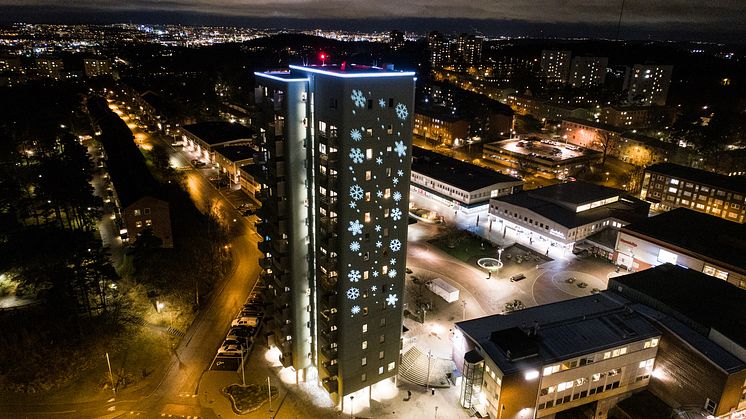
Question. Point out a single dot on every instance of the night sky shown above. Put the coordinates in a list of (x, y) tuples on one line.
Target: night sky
[(680, 19)]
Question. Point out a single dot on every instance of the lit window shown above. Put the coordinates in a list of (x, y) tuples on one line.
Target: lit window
[(138, 224), (380, 370), (137, 213), (365, 327), (148, 222), (367, 217), (391, 366), (368, 153), (364, 361), (380, 354), (363, 377), (365, 346)]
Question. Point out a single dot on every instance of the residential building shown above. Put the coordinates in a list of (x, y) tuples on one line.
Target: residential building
[(231, 157), (588, 71), (204, 137), (468, 50), (564, 214), (701, 362), (545, 109), (668, 186), (688, 238), (249, 178), (647, 84), (536, 362), (10, 64), (441, 126), (396, 40), (555, 66), (96, 67), (335, 234), (637, 117), (439, 49), (49, 68), (461, 185)]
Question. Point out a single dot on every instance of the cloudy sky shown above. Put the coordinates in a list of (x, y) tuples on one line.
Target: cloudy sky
[(721, 16)]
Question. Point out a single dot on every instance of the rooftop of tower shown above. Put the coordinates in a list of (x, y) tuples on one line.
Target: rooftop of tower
[(347, 70)]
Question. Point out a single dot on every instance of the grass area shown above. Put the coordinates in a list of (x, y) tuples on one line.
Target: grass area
[(248, 398), (465, 246)]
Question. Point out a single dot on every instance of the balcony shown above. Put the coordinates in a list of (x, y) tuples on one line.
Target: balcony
[(327, 158), (265, 263), (331, 369), (329, 201), (329, 352), (328, 280), (265, 246), (330, 384), (328, 262)]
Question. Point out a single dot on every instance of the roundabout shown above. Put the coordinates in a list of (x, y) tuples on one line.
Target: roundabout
[(490, 264)]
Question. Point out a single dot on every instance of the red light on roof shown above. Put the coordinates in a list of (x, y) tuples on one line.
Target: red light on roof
[(322, 56)]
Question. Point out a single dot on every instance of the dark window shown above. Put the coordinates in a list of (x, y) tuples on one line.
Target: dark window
[(332, 103), (370, 103), (583, 393), (391, 102), (550, 403), (541, 406), (565, 399)]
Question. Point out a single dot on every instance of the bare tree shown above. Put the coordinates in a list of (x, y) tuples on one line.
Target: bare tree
[(607, 141)]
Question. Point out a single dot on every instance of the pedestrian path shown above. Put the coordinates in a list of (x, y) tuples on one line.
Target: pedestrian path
[(414, 368)]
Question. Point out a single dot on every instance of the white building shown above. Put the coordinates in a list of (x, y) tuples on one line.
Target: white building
[(555, 65)]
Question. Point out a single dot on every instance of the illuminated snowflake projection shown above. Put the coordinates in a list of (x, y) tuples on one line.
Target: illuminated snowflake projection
[(401, 111), (400, 172), (353, 293), (396, 214), (400, 148), (356, 135), (379, 244), (377, 227), (356, 192), (379, 194), (375, 274), (393, 261), (395, 245), (374, 288), (392, 299), (392, 273), (353, 204), (355, 246), (397, 196), (395, 181), (356, 155), (359, 99), (382, 103), (353, 275), (355, 227), (379, 160), (355, 309)]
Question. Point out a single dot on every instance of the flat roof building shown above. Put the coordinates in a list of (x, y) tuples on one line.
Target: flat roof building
[(456, 183), (566, 213), (555, 66), (548, 159), (688, 238), (231, 157), (668, 186), (204, 137), (647, 84)]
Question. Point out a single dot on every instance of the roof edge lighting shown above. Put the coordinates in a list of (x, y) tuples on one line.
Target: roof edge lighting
[(382, 73), (275, 77)]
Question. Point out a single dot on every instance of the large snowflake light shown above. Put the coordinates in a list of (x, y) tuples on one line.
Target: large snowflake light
[(353, 293), (355, 227), (358, 98), (397, 196), (392, 273), (392, 299), (395, 245), (355, 246), (356, 135), (356, 192), (400, 148), (354, 275), (396, 214), (356, 155), (401, 111), (355, 309), (382, 103)]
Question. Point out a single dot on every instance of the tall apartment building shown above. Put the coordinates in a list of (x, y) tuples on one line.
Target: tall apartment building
[(667, 186), (647, 84), (396, 39), (439, 48), (468, 49), (49, 67), (588, 71), (335, 188), (95, 67), (555, 65)]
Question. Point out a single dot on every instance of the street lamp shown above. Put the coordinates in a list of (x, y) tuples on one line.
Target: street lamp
[(352, 405), (159, 306)]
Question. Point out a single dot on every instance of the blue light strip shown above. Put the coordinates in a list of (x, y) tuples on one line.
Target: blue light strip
[(354, 75), (274, 77)]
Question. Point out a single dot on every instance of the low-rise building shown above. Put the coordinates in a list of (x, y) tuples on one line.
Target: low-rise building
[(231, 157), (567, 213), (688, 238), (441, 127), (459, 184), (637, 117), (548, 159), (204, 137), (668, 186), (250, 179), (545, 109), (537, 362)]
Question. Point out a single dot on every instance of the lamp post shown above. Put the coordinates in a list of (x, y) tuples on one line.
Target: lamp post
[(111, 376), (352, 405), (427, 381), (436, 412)]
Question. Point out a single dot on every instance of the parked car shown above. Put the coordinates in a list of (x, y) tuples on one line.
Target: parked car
[(245, 321), (240, 333), (231, 347), (252, 313), (516, 278)]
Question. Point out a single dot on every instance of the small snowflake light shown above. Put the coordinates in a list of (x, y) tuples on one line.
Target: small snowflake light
[(382, 103), (400, 172), (355, 309), (379, 160), (355, 227), (375, 274), (356, 192), (393, 261), (392, 273), (396, 214), (400, 148), (392, 299), (397, 196), (356, 155), (401, 111), (358, 98), (374, 288), (356, 135), (379, 244), (355, 246), (354, 275), (353, 204), (377, 227), (395, 181), (353, 293), (395, 245), (379, 194)]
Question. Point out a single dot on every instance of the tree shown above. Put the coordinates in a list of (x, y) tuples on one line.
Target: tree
[(606, 141)]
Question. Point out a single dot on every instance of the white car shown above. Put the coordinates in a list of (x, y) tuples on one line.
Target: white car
[(245, 321), (231, 350)]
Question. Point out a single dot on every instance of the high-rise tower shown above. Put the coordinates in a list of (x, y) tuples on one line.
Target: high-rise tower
[(337, 143)]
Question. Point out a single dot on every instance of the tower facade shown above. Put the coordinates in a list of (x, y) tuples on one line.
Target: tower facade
[(337, 143), (647, 84), (555, 65)]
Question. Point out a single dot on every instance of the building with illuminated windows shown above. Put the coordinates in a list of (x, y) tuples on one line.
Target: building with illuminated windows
[(337, 143), (588, 71), (96, 67), (706, 244), (439, 49), (468, 49), (555, 66), (647, 84), (667, 186)]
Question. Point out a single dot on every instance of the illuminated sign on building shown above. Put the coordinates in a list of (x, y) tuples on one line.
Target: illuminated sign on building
[(557, 233)]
